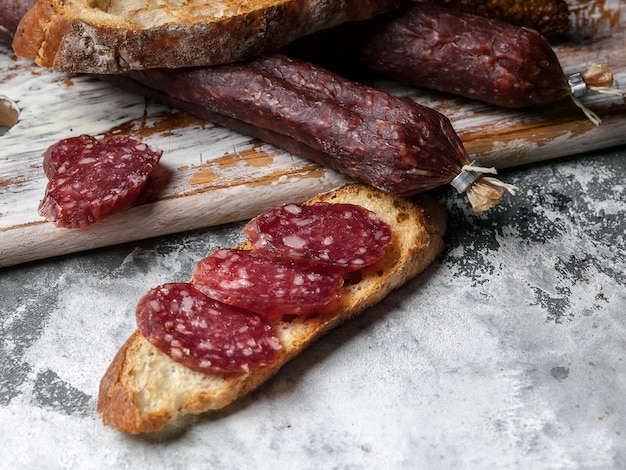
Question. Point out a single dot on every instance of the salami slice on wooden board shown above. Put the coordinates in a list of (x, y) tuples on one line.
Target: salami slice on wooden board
[(204, 334), (252, 281), (327, 237), (91, 179)]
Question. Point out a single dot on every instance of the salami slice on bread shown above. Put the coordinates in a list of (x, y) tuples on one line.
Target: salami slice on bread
[(144, 390), (114, 36)]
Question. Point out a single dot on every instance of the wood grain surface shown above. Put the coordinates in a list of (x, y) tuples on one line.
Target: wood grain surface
[(209, 175)]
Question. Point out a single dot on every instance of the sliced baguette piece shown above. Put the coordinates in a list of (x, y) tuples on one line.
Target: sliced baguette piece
[(114, 36), (144, 390)]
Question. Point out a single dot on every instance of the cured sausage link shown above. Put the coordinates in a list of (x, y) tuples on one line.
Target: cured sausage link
[(467, 55), (391, 143), (441, 49)]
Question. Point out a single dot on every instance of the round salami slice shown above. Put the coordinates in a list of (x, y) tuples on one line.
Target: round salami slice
[(204, 334), (93, 179), (330, 237), (251, 281)]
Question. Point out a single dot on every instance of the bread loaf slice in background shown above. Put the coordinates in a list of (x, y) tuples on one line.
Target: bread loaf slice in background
[(144, 390), (113, 36)]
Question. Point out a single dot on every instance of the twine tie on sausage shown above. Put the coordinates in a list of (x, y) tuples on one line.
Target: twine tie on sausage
[(472, 172), (598, 79), (511, 188), (484, 192), (479, 169)]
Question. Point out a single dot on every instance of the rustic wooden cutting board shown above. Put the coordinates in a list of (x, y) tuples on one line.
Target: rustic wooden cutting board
[(209, 175)]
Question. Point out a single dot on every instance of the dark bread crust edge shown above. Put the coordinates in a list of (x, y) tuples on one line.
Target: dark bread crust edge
[(73, 45)]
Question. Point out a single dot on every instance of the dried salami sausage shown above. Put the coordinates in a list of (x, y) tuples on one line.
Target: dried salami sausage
[(327, 237), (204, 334), (438, 48), (389, 142), (252, 281), (94, 178), (468, 55)]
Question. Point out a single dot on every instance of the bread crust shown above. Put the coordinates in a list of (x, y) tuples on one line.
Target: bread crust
[(144, 390), (73, 36)]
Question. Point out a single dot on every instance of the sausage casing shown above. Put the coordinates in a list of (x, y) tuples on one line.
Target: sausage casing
[(391, 143), (441, 49)]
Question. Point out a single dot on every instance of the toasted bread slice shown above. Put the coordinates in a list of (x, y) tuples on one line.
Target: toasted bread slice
[(113, 36), (144, 390)]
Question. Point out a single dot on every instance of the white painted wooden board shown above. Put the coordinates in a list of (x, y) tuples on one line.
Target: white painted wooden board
[(209, 175)]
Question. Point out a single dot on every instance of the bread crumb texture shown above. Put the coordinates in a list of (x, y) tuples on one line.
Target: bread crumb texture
[(148, 14), (115, 36)]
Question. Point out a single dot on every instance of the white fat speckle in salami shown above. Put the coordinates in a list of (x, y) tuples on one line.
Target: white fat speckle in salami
[(294, 241), (303, 223), (91, 179), (87, 161), (293, 209), (323, 237), (205, 334), (252, 281)]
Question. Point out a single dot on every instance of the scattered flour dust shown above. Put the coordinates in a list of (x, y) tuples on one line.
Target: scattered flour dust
[(91, 319), (86, 327), (575, 226), (397, 388), (53, 449)]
